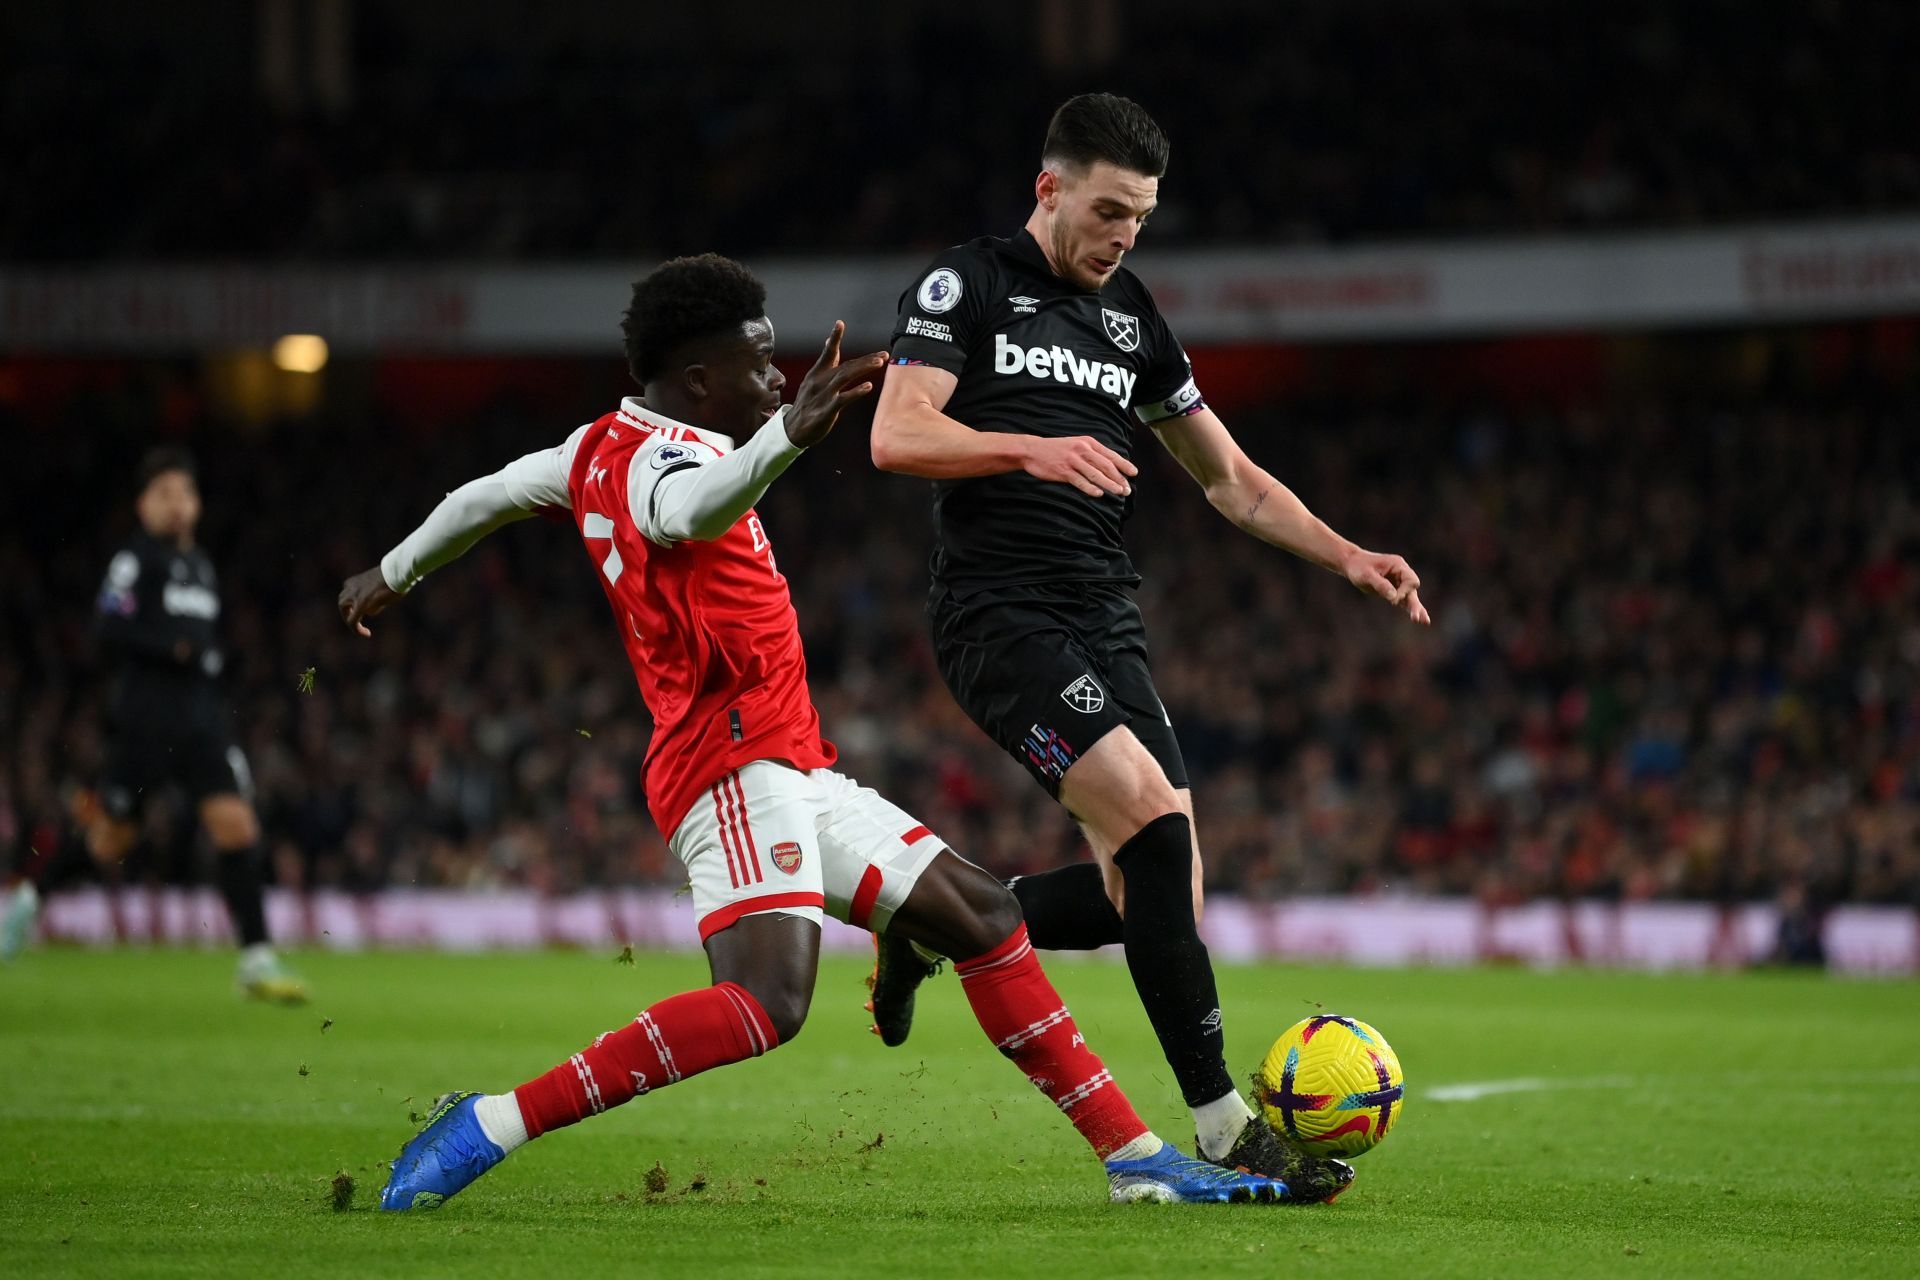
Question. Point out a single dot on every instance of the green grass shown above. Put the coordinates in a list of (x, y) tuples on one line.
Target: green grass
[(1762, 1125)]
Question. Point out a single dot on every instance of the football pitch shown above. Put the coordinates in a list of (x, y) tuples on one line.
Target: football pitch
[(1563, 1124)]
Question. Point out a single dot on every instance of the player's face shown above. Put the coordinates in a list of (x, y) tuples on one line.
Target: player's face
[(169, 507), (1093, 218), (742, 385)]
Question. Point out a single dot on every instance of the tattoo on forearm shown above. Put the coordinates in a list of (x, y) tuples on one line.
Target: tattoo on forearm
[(1257, 504)]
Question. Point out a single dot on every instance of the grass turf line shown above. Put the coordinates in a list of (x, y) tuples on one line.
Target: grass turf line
[(152, 1124)]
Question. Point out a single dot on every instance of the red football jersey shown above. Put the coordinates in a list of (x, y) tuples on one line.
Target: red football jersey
[(709, 625)]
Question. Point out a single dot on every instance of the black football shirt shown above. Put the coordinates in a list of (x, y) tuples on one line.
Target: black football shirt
[(1037, 355), (157, 612)]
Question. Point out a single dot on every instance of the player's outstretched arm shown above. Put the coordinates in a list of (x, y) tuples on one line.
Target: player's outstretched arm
[(830, 387), (913, 435), (694, 499), (1250, 497), (366, 595), (463, 517)]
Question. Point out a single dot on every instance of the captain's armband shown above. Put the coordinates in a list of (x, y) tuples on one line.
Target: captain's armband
[(1187, 400)]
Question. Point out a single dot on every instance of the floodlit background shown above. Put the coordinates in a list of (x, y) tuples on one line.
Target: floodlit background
[(1604, 315)]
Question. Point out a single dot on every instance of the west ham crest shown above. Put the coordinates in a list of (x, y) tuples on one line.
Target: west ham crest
[(1122, 328), (1084, 696)]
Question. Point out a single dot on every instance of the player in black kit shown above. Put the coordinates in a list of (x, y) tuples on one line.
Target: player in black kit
[(1022, 368), (156, 615)]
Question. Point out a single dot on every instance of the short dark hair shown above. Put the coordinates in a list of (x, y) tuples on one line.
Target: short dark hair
[(1104, 126), (684, 299), (161, 459)]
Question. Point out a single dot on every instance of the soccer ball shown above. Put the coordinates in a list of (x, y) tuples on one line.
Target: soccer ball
[(1331, 1084)]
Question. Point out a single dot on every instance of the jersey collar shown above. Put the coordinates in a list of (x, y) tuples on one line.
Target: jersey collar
[(1023, 246), (631, 410)]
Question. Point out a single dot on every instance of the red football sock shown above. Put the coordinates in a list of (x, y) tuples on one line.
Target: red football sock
[(1026, 1020), (679, 1037)]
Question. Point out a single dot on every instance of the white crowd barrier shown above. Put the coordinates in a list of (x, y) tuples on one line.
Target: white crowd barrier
[(1368, 931)]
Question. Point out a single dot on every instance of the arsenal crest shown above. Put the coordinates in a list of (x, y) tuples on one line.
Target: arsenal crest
[(1122, 328), (786, 856)]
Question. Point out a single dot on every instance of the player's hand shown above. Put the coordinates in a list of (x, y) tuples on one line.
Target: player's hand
[(364, 595), (1391, 578), (829, 387), (1082, 462)]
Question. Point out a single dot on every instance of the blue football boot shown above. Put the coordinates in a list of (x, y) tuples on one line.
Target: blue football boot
[(449, 1152), (1172, 1178)]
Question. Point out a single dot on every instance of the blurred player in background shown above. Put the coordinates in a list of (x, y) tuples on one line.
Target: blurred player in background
[(737, 774), (1022, 368), (157, 619)]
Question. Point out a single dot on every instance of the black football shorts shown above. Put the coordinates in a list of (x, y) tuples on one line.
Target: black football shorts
[(1049, 670), (197, 756)]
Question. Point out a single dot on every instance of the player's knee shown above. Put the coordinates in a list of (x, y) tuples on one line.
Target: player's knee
[(958, 909), (993, 914), (785, 1001), (230, 823), (110, 840), (1153, 800), (787, 1013), (1126, 821), (1002, 917), (1126, 795), (235, 835)]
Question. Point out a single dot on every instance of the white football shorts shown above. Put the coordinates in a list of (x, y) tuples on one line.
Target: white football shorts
[(769, 837)]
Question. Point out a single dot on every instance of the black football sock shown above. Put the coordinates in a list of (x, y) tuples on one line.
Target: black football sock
[(1067, 908), (1168, 961), (237, 871)]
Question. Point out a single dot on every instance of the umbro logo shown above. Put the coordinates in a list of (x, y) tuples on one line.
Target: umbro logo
[(1211, 1022), (1024, 304)]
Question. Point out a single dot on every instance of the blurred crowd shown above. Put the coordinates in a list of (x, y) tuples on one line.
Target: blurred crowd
[(1675, 653), (1305, 123)]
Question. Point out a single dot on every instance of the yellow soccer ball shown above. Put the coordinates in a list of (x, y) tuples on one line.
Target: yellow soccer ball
[(1333, 1085)]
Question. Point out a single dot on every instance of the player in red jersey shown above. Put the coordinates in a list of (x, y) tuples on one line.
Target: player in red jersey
[(737, 775)]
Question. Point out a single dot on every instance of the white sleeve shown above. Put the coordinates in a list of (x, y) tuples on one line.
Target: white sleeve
[(679, 490), (540, 479), (477, 508)]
